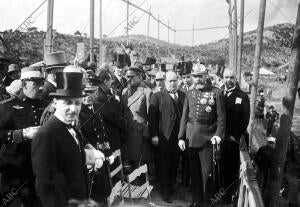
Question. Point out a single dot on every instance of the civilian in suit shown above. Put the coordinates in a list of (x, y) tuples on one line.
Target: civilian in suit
[(202, 124), (164, 119), (19, 121), (119, 81), (135, 103), (238, 113), (58, 155)]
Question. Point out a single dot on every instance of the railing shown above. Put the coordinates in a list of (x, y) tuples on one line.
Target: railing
[(249, 192)]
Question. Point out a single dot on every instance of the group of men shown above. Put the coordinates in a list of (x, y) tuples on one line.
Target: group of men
[(57, 126)]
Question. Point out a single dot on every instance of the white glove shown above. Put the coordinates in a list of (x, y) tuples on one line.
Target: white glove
[(215, 140), (181, 144), (29, 132), (99, 155), (111, 159), (155, 140), (98, 164)]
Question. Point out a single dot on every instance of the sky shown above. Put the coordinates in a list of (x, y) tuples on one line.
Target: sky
[(73, 15)]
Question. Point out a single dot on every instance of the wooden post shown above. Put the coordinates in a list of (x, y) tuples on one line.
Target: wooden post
[(127, 20), (174, 35), (148, 27), (230, 48), (288, 104), (168, 37), (256, 66), (92, 10), (235, 36), (240, 45), (158, 27), (49, 35), (100, 37)]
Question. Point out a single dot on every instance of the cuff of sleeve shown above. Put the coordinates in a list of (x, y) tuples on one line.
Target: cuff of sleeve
[(17, 136), (181, 138), (97, 154)]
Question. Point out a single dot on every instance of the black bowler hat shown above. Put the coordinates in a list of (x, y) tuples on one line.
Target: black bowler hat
[(119, 60), (69, 82), (150, 61)]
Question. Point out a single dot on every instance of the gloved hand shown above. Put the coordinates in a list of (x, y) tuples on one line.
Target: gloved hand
[(155, 140), (111, 159), (99, 155), (98, 164), (215, 140), (181, 144), (29, 132)]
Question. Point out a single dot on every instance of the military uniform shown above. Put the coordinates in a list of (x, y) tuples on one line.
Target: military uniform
[(17, 114), (203, 117)]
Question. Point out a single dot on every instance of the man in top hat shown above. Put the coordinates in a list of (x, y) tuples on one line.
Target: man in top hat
[(187, 82), (55, 62), (12, 74), (237, 118), (128, 50), (19, 122), (119, 81), (164, 127), (202, 124), (59, 156), (159, 81), (135, 103)]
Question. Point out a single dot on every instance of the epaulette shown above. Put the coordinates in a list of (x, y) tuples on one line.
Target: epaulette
[(7, 100)]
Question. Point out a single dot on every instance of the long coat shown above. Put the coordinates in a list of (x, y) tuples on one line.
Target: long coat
[(59, 164), (113, 120), (135, 106), (118, 86)]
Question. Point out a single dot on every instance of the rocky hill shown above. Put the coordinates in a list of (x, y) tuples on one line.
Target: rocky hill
[(28, 46)]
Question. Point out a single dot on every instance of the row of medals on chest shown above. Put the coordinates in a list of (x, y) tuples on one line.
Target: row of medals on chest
[(206, 98)]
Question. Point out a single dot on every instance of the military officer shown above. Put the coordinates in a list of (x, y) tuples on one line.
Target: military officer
[(202, 124), (18, 123)]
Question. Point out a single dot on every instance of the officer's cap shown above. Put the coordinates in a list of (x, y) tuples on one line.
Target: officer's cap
[(31, 73)]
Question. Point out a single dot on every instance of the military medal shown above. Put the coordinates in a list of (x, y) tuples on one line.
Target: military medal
[(208, 109), (211, 101), (203, 101)]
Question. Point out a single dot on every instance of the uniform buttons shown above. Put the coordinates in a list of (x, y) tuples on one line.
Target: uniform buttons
[(34, 111), (95, 129), (35, 123), (98, 136), (102, 127)]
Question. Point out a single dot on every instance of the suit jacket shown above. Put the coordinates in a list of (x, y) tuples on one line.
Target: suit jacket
[(135, 106), (163, 114), (59, 164), (203, 116), (238, 113), (117, 86), (48, 88)]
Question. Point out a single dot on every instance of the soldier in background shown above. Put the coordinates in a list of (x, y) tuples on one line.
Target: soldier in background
[(159, 81), (272, 116), (202, 124), (19, 121), (260, 106)]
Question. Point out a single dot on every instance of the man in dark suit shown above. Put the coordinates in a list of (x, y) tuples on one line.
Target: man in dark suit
[(202, 124), (238, 113), (58, 155), (164, 119), (119, 81), (55, 62)]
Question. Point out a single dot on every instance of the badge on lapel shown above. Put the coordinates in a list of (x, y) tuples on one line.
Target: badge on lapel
[(208, 109)]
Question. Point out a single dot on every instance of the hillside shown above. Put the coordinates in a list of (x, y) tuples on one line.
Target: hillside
[(28, 46)]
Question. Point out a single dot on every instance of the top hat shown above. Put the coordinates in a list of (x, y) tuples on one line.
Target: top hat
[(55, 61), (12, 68), (119, 60), (160, 75), (199, 69), (69, 82), (129, 46), (31, 73), (133, 71), (150, 61), (91, 79), (185, 67), (163, 67)]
